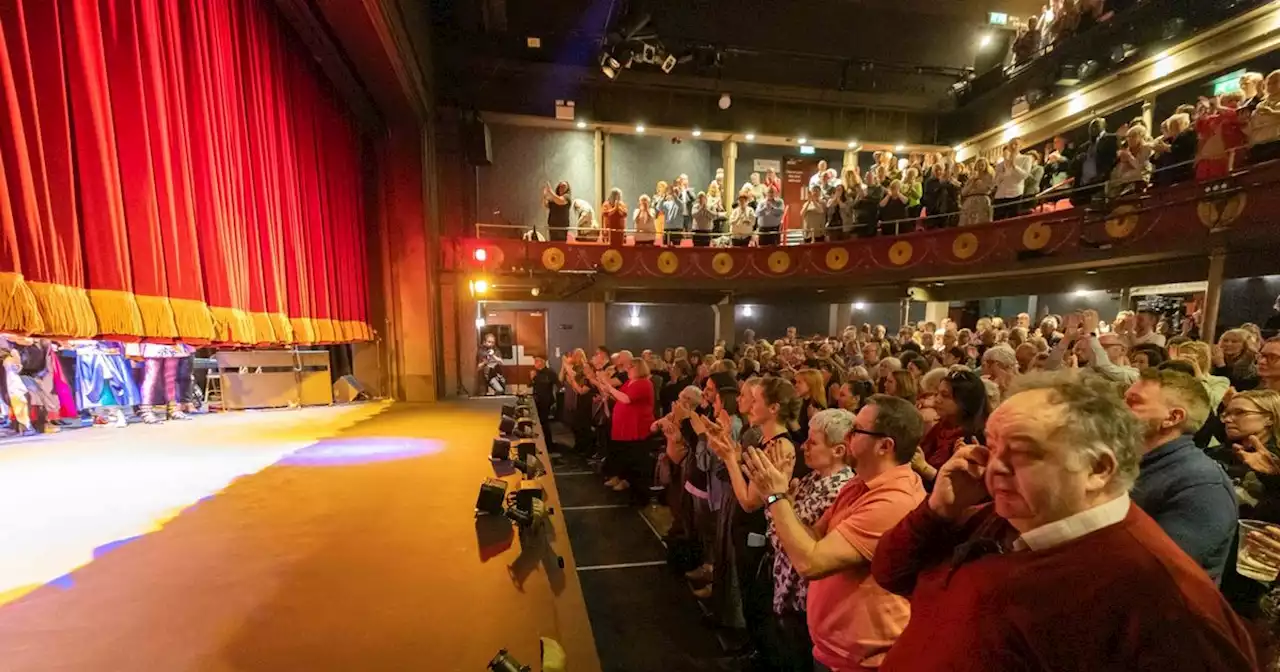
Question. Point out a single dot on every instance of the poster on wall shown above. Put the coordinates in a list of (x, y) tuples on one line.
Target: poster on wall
[(764, 165)]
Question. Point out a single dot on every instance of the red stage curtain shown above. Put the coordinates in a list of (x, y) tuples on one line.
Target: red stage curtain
[(174, 170)]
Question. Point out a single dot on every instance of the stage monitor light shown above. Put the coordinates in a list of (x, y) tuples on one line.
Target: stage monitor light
[(493, 497), (503, 662), (529, 491), (1088, 69), (507, 425), (525, 447), (501, 449), (1122, 52), (509, 410)]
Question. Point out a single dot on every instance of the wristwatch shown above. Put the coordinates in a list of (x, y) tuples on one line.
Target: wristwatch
[(773, 499)]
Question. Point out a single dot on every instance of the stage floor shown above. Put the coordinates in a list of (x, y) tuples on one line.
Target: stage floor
[(335, 538)]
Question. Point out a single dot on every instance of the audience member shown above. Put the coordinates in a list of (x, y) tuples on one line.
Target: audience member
[(975, 195)]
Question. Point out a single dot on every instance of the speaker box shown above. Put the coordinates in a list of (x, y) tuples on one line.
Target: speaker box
[(509, 410), (493, 496), (348, 389), (501, 449), (476, 140), (525, 448), (529, 491), (524, 427), (507, 425)]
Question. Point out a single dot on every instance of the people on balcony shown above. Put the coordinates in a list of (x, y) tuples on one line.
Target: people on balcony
[(840, 214), (1133, 163), (893, 210), (704, 221), (645, 222), (757, 189), (769, 217), (1093, 162), (771, 179), (672, 220), (818, 177), (1264, 122), (975, 196), (1175, 151), (1011, 180), (913, 189), (1027, 43), (586, 227), (557, 202), (1221, 134), (813, 214), (716, 203), (742, 221), (867, 206), (613, 213)]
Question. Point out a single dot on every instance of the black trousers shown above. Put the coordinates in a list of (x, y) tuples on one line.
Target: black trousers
[(557, 234), (770, 237), (1007, 207), (791, 648), (741, 242), (702, 238)]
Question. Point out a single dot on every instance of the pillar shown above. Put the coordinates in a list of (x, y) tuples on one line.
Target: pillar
[(1148, 116), (850, 160), (729, 159), (841, 317), (596, 336), (1212, 296), (726, 317), (904, 312), (601, 171), (1033, 302)]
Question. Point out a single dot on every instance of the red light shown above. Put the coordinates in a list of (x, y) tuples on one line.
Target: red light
[(480, 254)]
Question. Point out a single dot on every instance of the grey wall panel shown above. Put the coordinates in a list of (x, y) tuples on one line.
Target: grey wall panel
[(748, 153), (524, 158), (636, 163), (1247, 300), (660, 326), (566, 323)]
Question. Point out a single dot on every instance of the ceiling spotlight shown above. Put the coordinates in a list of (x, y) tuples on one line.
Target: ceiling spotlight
[(853, 143), (898, 148), (957, 149), (582, 124), (858, 305), (725, 101), (803, 141), (697, 132), (639, 128), (1091, 272), (479, 323), (751, 137), (985, 41), (1082, 292), (746, 311), (610, 66), (535, 291)]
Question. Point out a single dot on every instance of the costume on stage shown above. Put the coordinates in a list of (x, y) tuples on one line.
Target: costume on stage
[(13, 392), (104, 379), (161, 379)]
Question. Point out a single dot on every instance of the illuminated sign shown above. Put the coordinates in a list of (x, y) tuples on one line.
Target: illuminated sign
[(806, 149), (997, 18), (1227, 83)]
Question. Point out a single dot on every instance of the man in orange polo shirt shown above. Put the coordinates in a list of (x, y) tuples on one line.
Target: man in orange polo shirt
[(852, 620)]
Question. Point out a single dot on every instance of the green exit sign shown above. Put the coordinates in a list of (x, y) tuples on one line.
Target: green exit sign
[(1227, 83), (997, 18)]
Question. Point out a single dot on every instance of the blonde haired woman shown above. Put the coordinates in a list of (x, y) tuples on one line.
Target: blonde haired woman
[(975, 196), (613, 213), (659, 195)]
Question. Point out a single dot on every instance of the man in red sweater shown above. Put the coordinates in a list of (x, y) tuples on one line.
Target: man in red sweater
[(1061, 571)]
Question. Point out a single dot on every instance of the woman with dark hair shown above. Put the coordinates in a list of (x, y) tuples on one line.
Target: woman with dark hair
[(681, 376), (901, 384), (557, 202), (1147, 356), (962, 407)]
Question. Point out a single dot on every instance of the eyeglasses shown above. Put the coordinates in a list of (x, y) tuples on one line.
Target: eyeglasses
[(1270, 357), (1238, 413), (867, 432)]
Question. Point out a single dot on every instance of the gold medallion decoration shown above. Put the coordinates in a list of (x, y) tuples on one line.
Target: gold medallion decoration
[(1219, 213), (611, 261), (837, 258), (1122, 221), (900, 253), (553, 259), (722, 263), (668, 262), (1036, 236), (964, 246), (779, 262)]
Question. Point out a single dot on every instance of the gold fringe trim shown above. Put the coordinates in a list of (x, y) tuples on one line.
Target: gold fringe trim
[(117, 312), (157, 316), (194, 320), (237, 324), (66, 310), (263, 329), (304, 331), (18, 308), (280, 325), (326, 330)]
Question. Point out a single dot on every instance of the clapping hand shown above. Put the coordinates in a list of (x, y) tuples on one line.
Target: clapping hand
[(768, 477), (1266, 544), (1089, 321), (1257, 457), (960, 484), (1219, 358)]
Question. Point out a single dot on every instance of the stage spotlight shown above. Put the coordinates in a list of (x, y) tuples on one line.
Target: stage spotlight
[(725, 101), (1122, 52), (480, 255), (507, 426), (503, 662), (535, 291), (898, 148), (669, 64), (751, 137), (858, 305), (492, 498), (553, 659), (500, 450), (853, 143), (639, 128), (697, 132), (531, 467), (610, 66), (479, 287), (985, 41), (582, 124), (802, 141)]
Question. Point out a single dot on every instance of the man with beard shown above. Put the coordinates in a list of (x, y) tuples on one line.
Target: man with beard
[(1182, 488)]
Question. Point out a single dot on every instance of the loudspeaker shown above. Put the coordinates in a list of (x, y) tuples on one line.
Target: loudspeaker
[(475, 138), (507, 425), (501, 449), (509, 410), (493, 497), (348, 389), (529, 491)]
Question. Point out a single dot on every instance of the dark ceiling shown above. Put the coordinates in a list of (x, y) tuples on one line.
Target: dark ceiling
[(898, 55)]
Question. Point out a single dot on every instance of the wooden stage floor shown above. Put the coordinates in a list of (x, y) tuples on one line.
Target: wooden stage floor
[(323, 539)]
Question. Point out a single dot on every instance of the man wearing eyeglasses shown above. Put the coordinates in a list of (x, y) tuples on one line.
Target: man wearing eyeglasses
[(1183, 489), (1269, 364), (852, 620), (1029, 554)]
